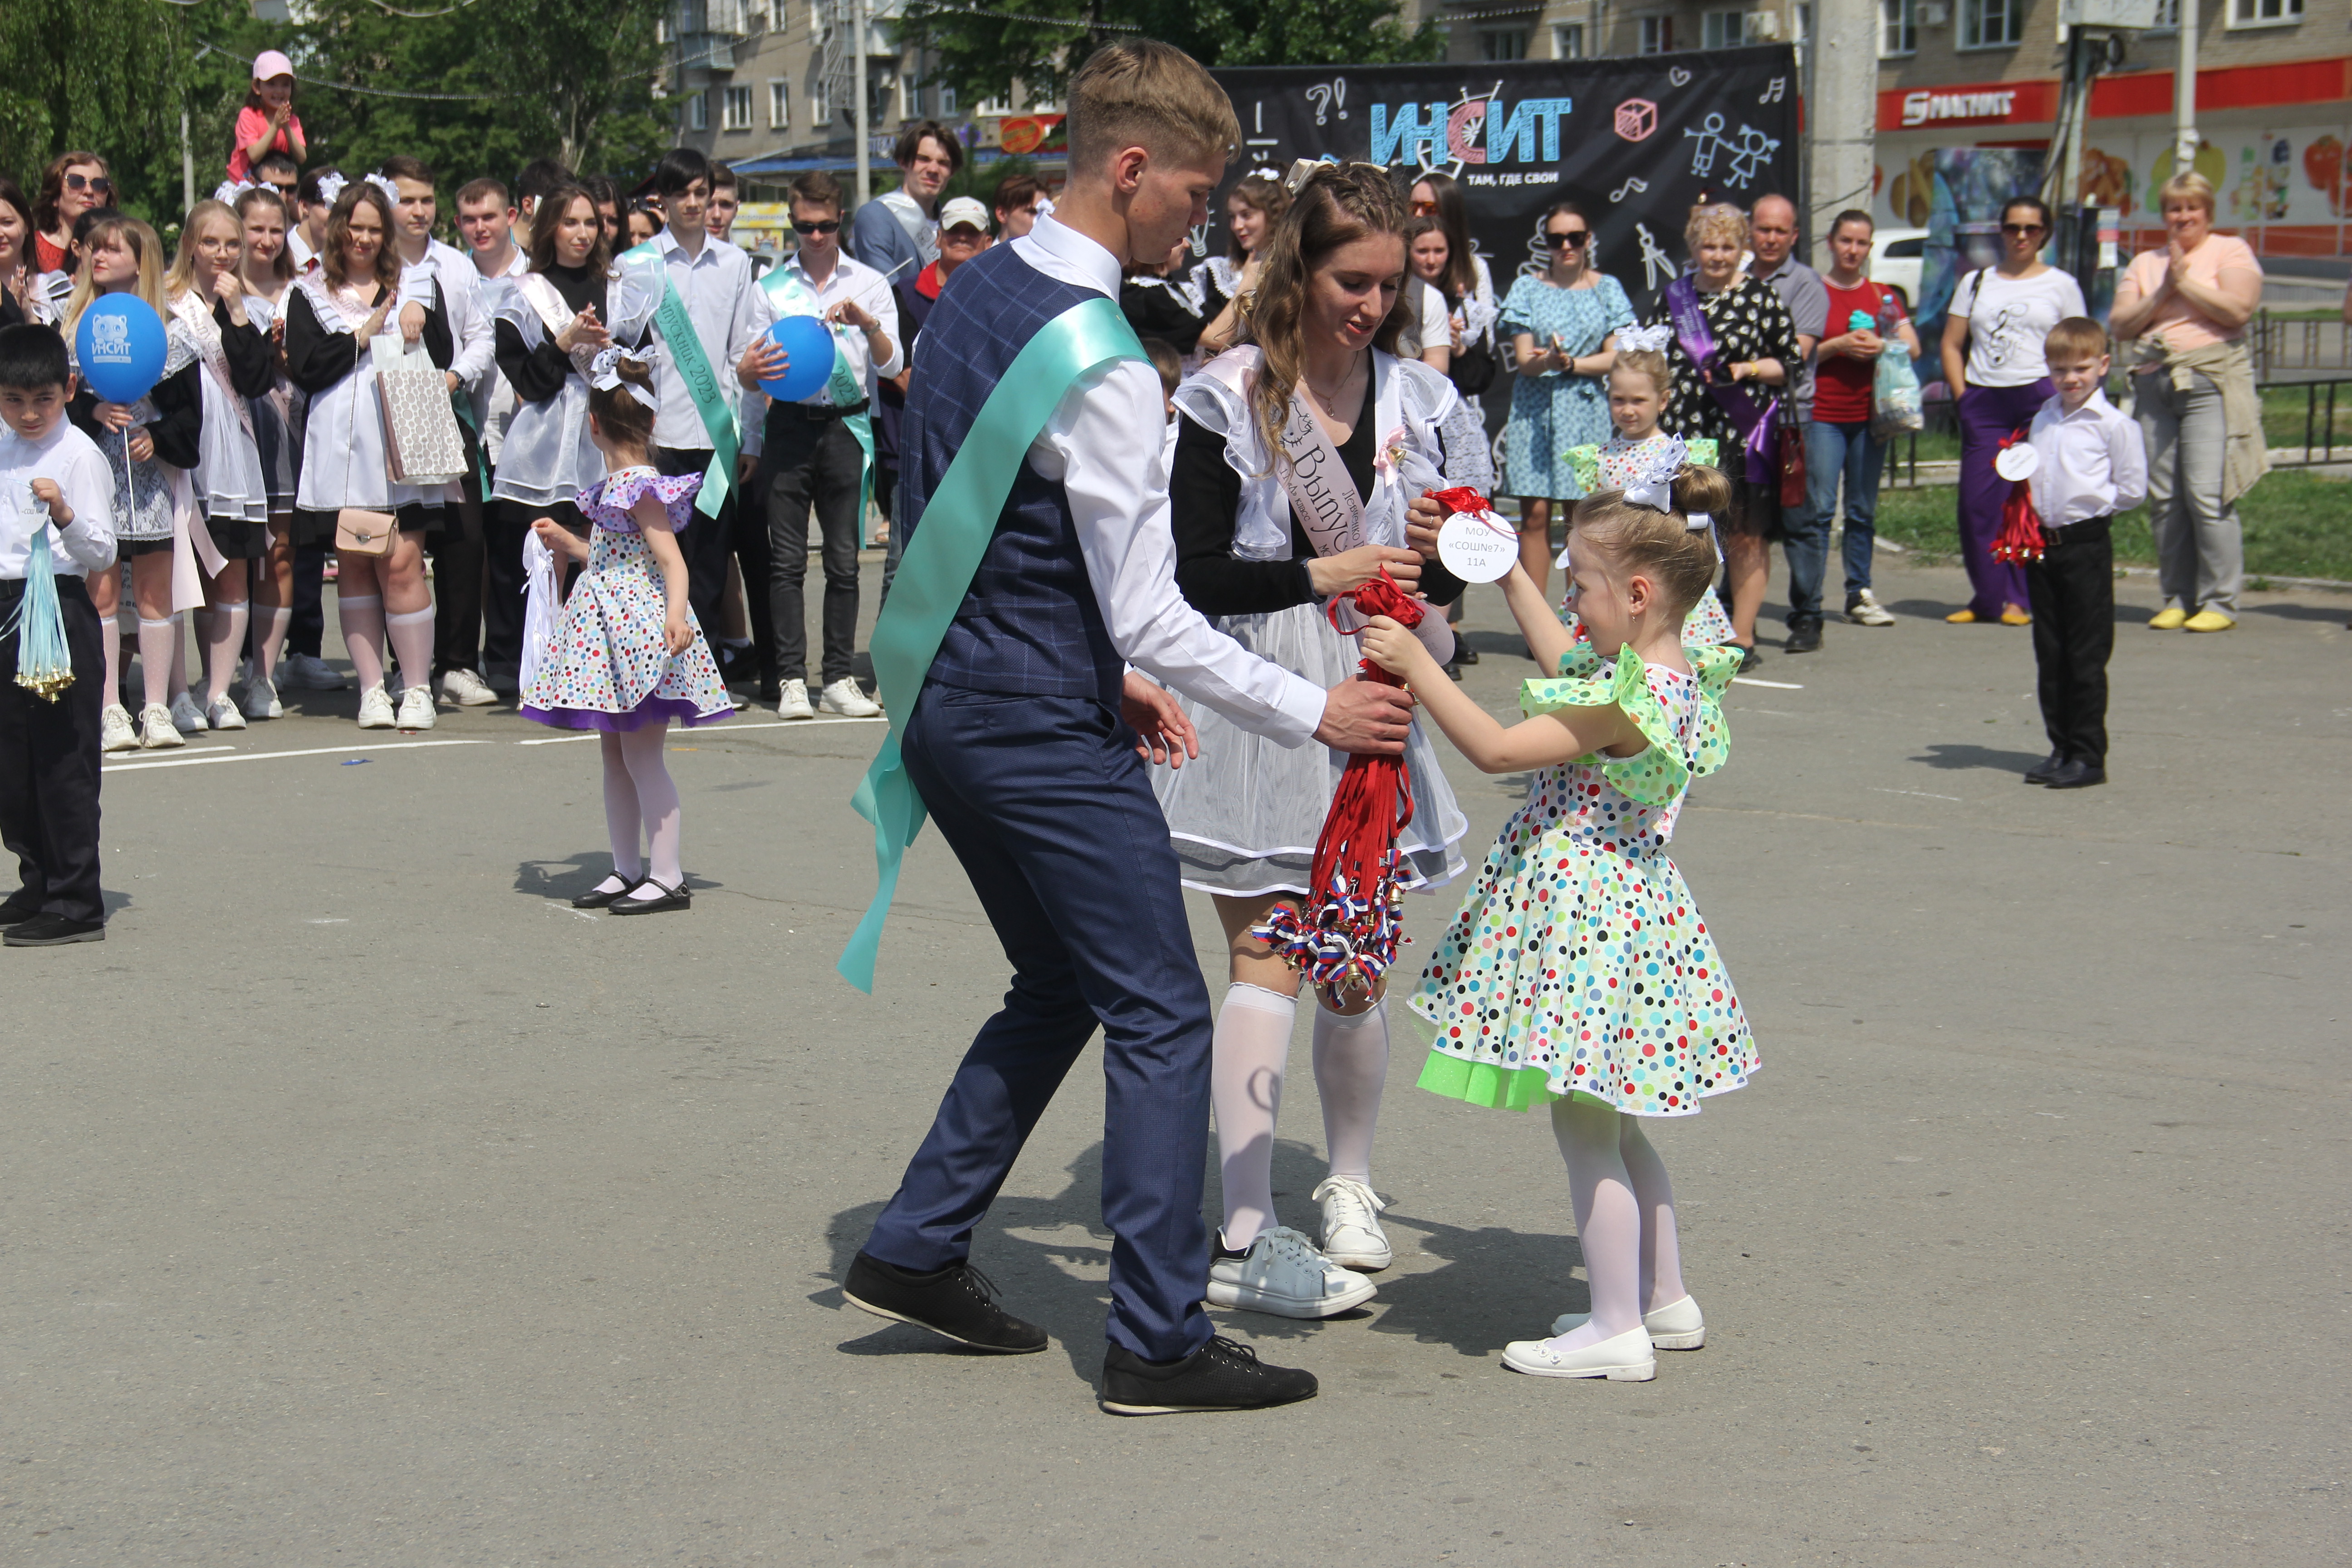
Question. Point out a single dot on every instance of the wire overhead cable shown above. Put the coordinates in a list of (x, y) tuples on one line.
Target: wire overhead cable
[(931, 7)]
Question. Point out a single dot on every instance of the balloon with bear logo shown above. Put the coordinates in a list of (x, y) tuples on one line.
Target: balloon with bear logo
[(120, 342)]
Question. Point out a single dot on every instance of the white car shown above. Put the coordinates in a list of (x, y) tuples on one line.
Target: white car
[(1896, 255)]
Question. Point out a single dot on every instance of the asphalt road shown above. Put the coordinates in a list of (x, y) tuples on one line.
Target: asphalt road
[(361, 1203)]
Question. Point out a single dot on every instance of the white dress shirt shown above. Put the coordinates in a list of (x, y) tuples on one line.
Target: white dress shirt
[(723, 302), (1106, 446), (494, 400), (474, 349), (2093, 463), (73, 460), (850, 279)]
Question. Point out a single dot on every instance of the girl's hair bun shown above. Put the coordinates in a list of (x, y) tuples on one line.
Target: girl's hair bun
[(1701, 489)]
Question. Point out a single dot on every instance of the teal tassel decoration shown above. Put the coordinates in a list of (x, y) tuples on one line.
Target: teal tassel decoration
[(44, 667)]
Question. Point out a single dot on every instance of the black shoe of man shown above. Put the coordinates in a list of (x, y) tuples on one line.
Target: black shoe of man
[(13, 913), (958, 1301), (2043, 771), (53, 930), (2078, 774), (1220, 1375), (1464, 653), (1805, 636)]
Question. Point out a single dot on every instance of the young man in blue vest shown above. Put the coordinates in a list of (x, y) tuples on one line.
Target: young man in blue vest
[(1023, 745)]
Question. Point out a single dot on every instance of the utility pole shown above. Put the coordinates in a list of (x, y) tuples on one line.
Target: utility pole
[(187, 163), (2184, 93), (1842, 112), (864, 107)]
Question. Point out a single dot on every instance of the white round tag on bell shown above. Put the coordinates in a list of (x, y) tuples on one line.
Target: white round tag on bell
[(1477, 547), (2015, 463)]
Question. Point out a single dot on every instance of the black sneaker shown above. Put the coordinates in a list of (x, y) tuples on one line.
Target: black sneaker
[(2043, 771), (53, 930), (958, 1301), (1220, 1375), (1805, 636)]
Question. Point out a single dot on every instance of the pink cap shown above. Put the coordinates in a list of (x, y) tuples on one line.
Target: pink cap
[(270, 63)]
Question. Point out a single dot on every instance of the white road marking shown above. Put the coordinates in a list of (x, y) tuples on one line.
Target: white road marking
[(182, 750), (265, 756), (1775, 685)]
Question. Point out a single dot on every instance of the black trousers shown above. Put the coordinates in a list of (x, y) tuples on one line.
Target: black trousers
[(307, 628), (48, 766), (504, 528), (457, 571), (705, 541), (812, 463), (2072, 593)]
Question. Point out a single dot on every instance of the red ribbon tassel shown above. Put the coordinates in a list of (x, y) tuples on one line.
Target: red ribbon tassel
[(1344, 937), (2021, 526)]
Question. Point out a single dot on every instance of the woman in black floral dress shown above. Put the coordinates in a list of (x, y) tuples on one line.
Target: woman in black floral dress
[(1756, 346)]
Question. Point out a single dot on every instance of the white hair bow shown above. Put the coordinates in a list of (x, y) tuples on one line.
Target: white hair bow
[(330, 186), (1644, 340), (227, 191), (382, 182), (1656, 487), (604, 373)]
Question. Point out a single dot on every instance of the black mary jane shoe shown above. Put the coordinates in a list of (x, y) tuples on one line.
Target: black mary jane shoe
[(676, 897), (597, 899)]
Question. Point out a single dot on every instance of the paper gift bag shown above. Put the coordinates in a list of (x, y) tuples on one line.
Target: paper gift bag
[(421, 443)]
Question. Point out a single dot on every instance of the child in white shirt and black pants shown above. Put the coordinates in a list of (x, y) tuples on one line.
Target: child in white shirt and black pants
[(2090, 465), (56, 494)]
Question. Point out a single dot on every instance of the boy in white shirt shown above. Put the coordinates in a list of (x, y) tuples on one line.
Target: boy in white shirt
[(51, 475), (2090, 464)]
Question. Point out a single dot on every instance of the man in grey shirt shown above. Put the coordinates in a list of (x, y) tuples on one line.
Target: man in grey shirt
[(1773, 230)]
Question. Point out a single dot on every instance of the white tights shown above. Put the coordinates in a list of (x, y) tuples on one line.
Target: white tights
[(362, 618), (1625, 1217), (641, 799), (1251, 1053)]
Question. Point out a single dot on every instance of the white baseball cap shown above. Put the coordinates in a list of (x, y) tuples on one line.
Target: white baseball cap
[(963, 210)]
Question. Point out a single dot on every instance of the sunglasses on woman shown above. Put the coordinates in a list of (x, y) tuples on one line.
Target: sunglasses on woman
[(2020, 228), (1568, 238), (1424, 209), (824, 226), (98, 182)]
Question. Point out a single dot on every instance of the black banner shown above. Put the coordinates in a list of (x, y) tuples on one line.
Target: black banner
[(1633, 142)]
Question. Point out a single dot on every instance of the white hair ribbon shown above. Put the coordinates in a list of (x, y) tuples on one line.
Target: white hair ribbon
[(604, 374), (330, 186), (227, 191), (382, 182), (1644, 340), (1656, 487)]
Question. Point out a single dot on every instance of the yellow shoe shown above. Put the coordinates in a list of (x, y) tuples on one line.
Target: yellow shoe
[(2170, 618), (1961, 618), (2013, 616), (2207, 621)]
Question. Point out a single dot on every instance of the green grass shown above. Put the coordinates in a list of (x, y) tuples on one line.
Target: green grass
[(2295, 526), (2288, 412)]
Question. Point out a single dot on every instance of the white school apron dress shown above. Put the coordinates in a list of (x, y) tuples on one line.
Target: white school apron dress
[(230, 487), (344, 463), (1244, 816), (608, 667), (276, 417), (547, 456), (145, 510)]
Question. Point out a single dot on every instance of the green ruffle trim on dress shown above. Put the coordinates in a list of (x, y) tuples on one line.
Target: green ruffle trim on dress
[(1584, 462), (1658, 774), (1484, 1083)]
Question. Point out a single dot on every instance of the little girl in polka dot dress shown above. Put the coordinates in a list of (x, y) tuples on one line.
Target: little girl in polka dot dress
[(627, 656), (1579, 975)]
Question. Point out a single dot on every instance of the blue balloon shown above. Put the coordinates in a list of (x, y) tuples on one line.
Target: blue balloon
[(809, 345), (120, 342)]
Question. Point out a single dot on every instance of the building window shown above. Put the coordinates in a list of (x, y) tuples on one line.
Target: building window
[(780, 105), (912, 91), (1722, 30), (1657, 36), (1991, 24), (947, 99), (2263, 13), (1502, 44), (2168, 16), (1000, 105), (1898, 28), (735, 108), (698, 111), (1567, 41), (820, 110)]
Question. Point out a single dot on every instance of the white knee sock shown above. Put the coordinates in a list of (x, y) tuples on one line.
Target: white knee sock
[(361, 619), (223, 637), (1608, 1218), (270, 623), (155, 639), (1662, 1253), (412, 641), (656, 802), (1252, 1045), (622, 824), (1351, 1066)]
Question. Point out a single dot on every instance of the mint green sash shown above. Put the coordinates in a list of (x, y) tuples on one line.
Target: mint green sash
[(794, 298), (702, 384), (937, 570)]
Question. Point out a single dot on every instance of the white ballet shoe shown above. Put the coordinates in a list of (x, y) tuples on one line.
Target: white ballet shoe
[(1676, 1326), (1627, 1357)]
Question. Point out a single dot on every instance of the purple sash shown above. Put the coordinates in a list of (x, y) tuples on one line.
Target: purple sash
[(1752, 420)]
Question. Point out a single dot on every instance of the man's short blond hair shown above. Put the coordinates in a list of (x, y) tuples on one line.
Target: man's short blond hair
[(1153, 96)]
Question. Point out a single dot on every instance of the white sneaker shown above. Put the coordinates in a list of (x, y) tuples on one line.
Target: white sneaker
[(222, 714), (115, 730), (156, 730), (467, 690), (1676, 1326), (1628, 1358), (417, 707), (795, 702), (1862, 608), (308, 672), (375, 708), (843, 698), (1352, 1237), (186, 714), (1284, 1275), (261, 700)]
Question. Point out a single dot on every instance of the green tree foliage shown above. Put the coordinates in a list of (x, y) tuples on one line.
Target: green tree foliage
[(102, 75), (982, 54)]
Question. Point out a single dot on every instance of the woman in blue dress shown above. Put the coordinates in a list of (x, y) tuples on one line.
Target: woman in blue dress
[(1564, 322)]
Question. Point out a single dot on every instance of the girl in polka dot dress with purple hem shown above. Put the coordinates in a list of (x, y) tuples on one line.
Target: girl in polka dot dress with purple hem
[(627, 657), (1579, 975)]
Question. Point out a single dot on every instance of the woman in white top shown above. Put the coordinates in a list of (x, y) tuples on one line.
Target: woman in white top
[(1432, 330), (1253, 208), (1246, 816), (1467, 285), (332, 317), (266, 269), (1992, 363)]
